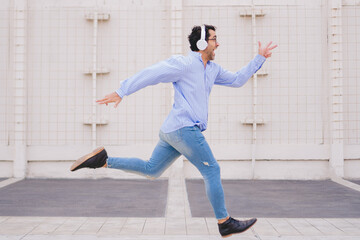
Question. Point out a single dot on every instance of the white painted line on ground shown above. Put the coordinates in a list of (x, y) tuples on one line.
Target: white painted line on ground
[(9, 181), (346, 183)]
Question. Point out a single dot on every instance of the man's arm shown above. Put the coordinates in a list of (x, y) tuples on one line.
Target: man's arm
[(230, 79), (239, 78), (162, 72)]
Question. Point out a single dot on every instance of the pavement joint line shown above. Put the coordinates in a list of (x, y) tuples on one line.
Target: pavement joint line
[(59, 225), (333, 225), (80, 226), (143, 227), (293, 226), (207, 225), (26, 234), (314, 226), (272, 226), (123, 226), (9, 181), (5, 219), (346, 183), (255, 234), (102, 225), (350, 222)]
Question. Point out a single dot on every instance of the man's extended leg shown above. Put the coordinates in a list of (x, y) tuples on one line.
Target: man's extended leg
[(162, 157)]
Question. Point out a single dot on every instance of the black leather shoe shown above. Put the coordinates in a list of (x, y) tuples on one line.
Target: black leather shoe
[(233, 226), (95, 159)]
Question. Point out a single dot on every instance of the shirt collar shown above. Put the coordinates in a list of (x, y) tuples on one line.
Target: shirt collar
[(197, 55)]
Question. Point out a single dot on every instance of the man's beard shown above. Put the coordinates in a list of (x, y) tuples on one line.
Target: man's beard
[(210, 55)]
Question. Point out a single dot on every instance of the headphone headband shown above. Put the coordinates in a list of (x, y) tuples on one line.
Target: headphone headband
[(203, 32)]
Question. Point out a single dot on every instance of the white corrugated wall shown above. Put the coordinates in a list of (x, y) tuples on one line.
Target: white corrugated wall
[(305, 101)]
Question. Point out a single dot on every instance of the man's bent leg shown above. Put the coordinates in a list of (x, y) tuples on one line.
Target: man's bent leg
[(162, 157), (190, 142), (194, 147)]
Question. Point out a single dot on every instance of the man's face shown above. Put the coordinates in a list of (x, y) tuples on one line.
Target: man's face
[(212, 45)]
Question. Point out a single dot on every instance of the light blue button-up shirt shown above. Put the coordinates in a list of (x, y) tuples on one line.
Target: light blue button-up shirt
[(192, 84)]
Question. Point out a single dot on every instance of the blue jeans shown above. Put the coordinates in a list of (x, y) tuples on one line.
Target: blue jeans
[(187, 141)]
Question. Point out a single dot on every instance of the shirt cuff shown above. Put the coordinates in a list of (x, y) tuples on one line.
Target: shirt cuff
[(259, 60), (120, 93)]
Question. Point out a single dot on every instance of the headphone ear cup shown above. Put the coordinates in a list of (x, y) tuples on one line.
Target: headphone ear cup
[(201, 44)]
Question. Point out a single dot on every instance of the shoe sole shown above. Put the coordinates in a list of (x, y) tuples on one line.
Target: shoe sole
[(226, 236), (86, 157)]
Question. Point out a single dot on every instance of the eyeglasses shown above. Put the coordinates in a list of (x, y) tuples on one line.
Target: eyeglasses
[(213, 39)]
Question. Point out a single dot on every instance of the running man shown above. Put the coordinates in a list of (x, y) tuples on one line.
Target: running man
[(193, 77)]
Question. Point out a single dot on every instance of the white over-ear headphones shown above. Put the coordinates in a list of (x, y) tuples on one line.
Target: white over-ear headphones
[(201, 43)]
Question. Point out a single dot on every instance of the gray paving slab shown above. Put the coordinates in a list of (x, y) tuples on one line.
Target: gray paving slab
[(279, 199), (2, 179), (88, 198)]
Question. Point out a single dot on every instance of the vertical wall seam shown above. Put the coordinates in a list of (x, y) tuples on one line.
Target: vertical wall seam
[(19, 67), (336, 75)]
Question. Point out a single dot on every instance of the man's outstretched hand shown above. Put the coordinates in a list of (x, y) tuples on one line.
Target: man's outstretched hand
[(112, 97), (266, 51)]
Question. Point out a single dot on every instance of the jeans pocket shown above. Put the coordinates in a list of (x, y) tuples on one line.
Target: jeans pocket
[(198, 134)]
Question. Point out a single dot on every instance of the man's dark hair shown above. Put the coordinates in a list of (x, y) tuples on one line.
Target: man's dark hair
[(195, 35)]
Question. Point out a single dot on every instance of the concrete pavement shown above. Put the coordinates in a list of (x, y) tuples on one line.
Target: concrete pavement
[(27, 228), (177, 223)]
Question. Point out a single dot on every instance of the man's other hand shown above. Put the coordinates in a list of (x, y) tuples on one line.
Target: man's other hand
[(266, 51), (112, 97)]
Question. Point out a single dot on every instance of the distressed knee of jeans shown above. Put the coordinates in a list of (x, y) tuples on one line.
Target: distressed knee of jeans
[(206, 164), (214, 168)]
